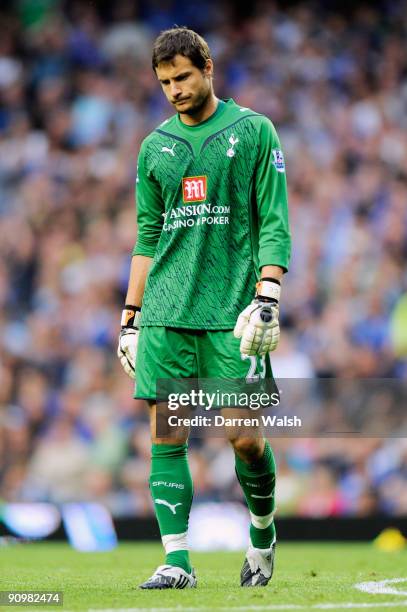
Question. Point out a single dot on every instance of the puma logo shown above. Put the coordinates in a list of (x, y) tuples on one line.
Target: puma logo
[(255, 579), (168, 150), (261, 496), (172, 507)]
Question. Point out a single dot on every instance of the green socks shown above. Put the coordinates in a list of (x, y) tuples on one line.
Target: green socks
[(172, 491), (258, 483)]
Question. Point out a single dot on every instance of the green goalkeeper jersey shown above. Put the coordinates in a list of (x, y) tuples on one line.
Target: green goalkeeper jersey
[(211, 211)]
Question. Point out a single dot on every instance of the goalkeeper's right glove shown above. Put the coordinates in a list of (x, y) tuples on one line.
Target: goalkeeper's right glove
[(128, 339)]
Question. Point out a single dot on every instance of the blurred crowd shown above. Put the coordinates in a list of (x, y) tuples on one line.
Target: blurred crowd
[(77, 96)]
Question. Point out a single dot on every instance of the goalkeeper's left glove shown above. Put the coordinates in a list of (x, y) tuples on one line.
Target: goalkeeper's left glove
[(258, 325)]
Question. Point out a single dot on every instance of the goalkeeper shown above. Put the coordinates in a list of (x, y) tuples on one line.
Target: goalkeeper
[(204, 290)]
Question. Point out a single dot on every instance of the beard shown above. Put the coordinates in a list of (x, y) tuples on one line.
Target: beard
[(196, 103)]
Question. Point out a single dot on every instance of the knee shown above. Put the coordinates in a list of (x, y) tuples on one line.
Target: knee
[(248, 449), (179, 441)]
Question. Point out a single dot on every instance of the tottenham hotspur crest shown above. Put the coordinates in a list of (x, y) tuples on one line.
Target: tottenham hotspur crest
[(233, 141)]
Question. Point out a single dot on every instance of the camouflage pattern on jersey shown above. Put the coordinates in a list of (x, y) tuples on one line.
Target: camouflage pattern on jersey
[(211, 209)]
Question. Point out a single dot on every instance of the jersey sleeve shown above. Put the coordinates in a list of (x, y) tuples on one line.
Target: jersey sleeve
[(271, 199), (149, 209)]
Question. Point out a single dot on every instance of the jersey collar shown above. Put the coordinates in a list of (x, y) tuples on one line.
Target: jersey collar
[(193, 128)]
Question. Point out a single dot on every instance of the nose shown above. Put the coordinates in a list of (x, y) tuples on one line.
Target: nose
[(175, 90)]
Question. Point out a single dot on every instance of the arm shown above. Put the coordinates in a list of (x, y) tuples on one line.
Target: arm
[(149, 206), (149, 221), (139, 269), (272, 204), (272, 272), (258, 325)]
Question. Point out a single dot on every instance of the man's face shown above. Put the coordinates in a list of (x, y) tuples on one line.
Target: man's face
[(186, 87)]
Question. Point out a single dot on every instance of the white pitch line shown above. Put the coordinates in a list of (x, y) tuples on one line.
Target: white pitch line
[(380, 587), (322, 606), (351, 606)]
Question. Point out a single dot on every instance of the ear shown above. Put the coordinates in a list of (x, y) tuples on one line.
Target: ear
[(208, 68)]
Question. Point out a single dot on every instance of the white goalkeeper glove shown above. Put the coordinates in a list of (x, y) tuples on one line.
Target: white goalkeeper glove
[(258, 325), (128, 339)]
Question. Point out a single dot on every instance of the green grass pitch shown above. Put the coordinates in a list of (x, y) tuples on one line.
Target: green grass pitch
[(307, 577)]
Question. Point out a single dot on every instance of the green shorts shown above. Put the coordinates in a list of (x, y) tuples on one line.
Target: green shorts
[(169, 353)]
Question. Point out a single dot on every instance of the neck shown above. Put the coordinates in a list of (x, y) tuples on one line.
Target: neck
[(206, 110)]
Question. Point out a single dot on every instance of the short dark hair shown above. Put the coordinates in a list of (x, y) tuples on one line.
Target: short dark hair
[(180, 41)]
